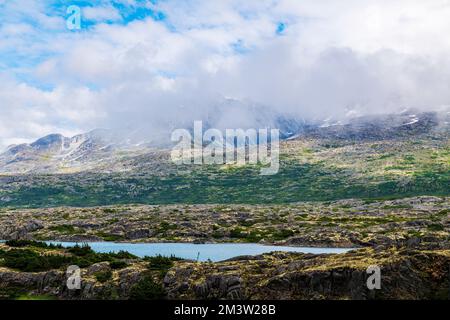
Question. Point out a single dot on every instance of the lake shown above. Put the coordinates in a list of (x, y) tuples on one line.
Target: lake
[(204, 252)]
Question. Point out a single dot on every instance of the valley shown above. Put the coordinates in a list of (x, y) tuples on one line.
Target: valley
[(310, 170), (379, 186)]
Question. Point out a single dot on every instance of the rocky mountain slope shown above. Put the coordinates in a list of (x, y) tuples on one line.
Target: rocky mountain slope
[(56, 153), (107, 150)]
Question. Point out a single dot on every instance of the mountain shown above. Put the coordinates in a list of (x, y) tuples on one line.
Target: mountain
[(398, 155), (56, 153), (122, 150), (391, 126)]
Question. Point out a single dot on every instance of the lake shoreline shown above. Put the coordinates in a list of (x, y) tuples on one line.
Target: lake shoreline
[(338, 245), (268, 276), (199, 252)]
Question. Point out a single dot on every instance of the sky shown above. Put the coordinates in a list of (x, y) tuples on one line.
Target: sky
[(167, 63)]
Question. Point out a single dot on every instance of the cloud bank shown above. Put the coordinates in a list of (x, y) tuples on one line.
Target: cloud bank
[(163, 64)]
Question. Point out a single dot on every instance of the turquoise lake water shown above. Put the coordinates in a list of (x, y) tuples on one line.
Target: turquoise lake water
[(204, 252)]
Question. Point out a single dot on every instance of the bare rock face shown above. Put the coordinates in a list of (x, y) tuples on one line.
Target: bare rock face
[(98, 267), (139, 234), (42, 282), (21, 231), (127, 279), (80, 238), (219, 286), (215, 286), (405, 274)]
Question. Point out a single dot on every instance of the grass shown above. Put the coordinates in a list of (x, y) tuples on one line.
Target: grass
[(103, 276), (324, 174), (40, 297), (436, 227), (110, 237), (65, 229)]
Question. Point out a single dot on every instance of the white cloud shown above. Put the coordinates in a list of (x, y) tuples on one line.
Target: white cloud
[(334, 56)]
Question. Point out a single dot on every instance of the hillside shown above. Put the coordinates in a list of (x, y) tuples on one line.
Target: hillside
[(365, 161)]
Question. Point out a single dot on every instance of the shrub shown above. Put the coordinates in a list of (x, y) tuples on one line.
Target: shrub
[(122, 255), (254, 236), (30, 261), (165, 226), (436, 227), (117, 264), (237, 233), (81, 251), (283, 234), (103, 276), (11, 293), (66, 229), (110, 237), (31, 243), (147, 289), (83, 256), (160, 263)]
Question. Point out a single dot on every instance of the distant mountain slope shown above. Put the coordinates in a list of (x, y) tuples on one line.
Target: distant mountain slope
[(56, 153), (385, 127), (107, 150), (372, 158)]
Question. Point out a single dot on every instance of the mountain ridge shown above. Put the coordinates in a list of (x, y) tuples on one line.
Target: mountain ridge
[(102, 148)]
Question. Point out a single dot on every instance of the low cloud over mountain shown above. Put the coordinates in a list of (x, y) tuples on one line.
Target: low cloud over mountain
[(177, 62)]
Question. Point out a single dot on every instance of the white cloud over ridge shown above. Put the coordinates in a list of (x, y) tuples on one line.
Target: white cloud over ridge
[(333, 57)]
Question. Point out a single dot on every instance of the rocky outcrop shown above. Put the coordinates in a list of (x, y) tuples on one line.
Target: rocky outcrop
[(405, 274), (214, 286), (41, 283), (20, 231), (344, 223), (139, 234)]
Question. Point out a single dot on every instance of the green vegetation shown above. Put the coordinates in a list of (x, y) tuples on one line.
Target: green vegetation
[(103, 276), (314, 174), (11, 293), (118, 264), (147, 289), (165, 226), (40, 297), (65, 229), (29, 260), (110, 237), (436, 227), (85, 256), (282, 234), (160, 263), (237, 233), (31, 243)]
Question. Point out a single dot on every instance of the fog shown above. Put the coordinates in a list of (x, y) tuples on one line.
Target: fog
[(224, 62)]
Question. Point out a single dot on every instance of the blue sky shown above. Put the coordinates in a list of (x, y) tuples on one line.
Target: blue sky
[(168, 62), (94, 13), (121, 13)]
